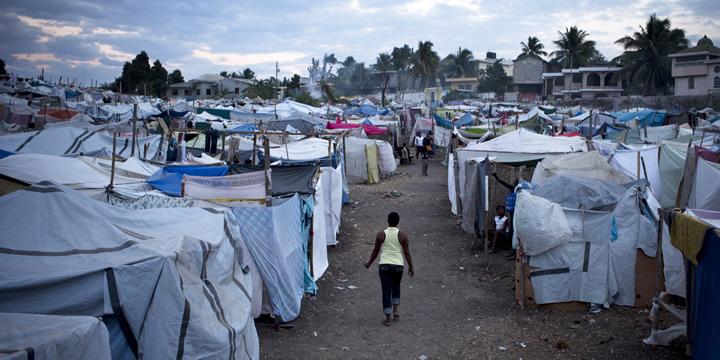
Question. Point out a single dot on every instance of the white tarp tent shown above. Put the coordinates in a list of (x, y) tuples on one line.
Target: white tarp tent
[(68, 140), (587, 164), (174, 280), (517, 146)]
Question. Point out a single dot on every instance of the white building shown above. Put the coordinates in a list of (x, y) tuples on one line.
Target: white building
[(587, 83), (696, 70)]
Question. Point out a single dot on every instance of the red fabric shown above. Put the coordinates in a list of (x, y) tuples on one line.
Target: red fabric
[(337, 119), (369, 129), (569, 134), (59, 114), (707, 154)]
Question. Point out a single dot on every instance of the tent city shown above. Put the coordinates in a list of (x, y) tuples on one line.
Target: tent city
[(365, 179)]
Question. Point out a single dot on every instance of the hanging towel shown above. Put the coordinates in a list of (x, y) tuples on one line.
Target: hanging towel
[(687, 235)]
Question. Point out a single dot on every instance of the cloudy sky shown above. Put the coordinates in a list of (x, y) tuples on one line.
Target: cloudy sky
[(87, 39)]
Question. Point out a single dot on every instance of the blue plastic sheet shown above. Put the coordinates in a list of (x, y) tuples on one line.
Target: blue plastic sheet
[(645, 117), (704, 325), (274, 236), (464, 120), (169, 179)]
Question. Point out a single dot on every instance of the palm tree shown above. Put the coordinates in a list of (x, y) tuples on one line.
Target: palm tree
[(574, 49), (645, 59), (533, 47), (426, 61), (402, 60), (383, 65), (458, 64)]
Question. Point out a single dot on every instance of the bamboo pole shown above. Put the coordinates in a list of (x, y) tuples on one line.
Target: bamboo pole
[(658, 267), (254, 148)]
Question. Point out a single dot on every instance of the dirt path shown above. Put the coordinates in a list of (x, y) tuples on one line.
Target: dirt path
[(452, 308)]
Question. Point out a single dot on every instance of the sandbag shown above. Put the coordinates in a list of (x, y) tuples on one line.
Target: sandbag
[(540, 224)]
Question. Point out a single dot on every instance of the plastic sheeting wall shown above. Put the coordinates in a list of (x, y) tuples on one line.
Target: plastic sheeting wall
[(273, 235), (705, 193)]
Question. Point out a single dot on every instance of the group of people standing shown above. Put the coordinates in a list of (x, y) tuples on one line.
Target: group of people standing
[(424, 150)]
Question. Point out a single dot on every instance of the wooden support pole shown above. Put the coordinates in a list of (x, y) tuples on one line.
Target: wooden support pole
[(345, 153), (223, 156), (112, 169), (268, 183), (254, 148), (134, 130), (658, 266)]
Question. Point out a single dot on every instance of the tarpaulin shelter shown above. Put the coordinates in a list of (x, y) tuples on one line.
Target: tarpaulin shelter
[(518, 146), (645, 117), (168, 283), (91, 141), (169, 178), (368, 159), (591, 255), (31, 336), (586, 164), (77, 173), (232, 190)]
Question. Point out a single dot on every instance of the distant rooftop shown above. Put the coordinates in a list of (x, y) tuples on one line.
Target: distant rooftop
[(703, 46)]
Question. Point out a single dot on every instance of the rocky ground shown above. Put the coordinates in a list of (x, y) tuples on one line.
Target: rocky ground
[(453, 308)]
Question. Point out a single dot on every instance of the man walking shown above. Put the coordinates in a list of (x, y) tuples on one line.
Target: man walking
[(392, 245)]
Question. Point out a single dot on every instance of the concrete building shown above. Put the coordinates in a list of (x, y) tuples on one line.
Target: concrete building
[(696, 70), (209, 85), (587, 83), (527, 76), (491, 58), (465, 84)]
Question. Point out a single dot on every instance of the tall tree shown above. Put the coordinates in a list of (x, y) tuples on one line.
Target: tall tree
[(426, 61), (224, 73), (157, 80), (533, 46), (645, 60), (139, 73), (2, 67), (494, 79), (574, 48), (383, 65), (248, 74), (402, 60), (175, 77), (458, 64)]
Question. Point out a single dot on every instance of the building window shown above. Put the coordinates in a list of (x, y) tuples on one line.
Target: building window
[(197, 92), (559, 81), (593, 79), (175, 92), (577, 78), (691, 83), (208, 92), (716, 82), (717, 69), (237, 91)]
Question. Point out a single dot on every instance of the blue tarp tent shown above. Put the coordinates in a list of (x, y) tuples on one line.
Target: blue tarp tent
[(645, 117), (169, 178), (243, 128), (464, 120)]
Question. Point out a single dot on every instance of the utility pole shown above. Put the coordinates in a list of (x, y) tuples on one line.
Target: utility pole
[(277, 71)]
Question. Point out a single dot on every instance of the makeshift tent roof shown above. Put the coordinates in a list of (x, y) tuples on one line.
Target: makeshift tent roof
[(149, 269), (79, 174), (92, 141), (303, 150), (587, 164), (645, 117), (169, 178), (31, 336), (527, 142)]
